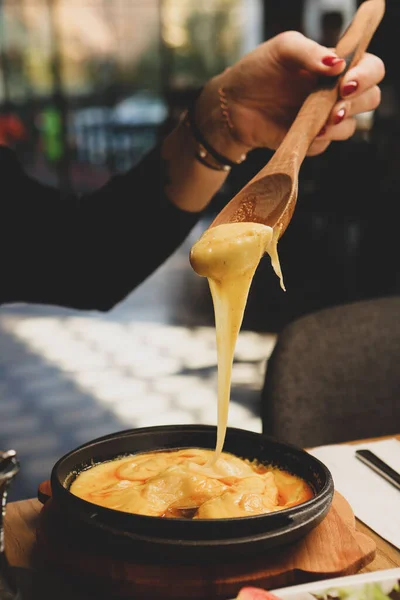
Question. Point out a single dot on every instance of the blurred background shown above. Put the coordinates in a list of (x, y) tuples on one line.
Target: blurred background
[(86, 89)]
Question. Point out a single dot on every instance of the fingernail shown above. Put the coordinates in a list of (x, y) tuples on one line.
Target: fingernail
[(349, 88), (339, 116), (323, 130), (331, 61)]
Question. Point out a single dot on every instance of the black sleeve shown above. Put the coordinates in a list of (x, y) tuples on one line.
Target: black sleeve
[(85, 252)]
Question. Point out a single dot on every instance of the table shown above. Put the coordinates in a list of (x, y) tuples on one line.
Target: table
[(22, 518)]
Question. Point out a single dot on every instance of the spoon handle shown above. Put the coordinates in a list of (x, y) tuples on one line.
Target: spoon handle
[(316, 108)]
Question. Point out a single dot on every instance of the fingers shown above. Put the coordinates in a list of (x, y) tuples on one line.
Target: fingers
[(360, 93), (330, 133), (296, 50), (342, 131), (365, 102), (366, 74), (318, 147)]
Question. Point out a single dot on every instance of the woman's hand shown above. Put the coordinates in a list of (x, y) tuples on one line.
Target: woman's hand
[(252, 105), (266, 88)]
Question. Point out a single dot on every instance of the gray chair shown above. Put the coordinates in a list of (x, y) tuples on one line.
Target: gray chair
[(334, 375)]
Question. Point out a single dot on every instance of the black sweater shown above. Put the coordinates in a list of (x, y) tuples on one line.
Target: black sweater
[(85, 252)]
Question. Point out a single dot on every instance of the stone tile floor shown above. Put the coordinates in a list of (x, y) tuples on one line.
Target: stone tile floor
[(67, 377)]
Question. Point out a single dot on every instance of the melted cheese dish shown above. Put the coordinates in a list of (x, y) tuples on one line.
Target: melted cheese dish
[(228, 255), (181, 484), (196, 483)]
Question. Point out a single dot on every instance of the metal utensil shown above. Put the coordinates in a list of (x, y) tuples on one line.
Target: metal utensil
[(9, 467), (379, 466)]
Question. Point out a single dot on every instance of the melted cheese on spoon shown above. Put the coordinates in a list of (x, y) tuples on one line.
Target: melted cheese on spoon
[(228, 255)]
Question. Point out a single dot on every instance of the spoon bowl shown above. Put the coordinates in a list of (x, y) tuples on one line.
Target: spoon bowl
[(269, 200)]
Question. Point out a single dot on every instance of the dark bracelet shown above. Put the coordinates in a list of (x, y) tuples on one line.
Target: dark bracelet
[(220, 162), (202, 158)]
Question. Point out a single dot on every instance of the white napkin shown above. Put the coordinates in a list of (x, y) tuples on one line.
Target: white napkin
[(374, 501)]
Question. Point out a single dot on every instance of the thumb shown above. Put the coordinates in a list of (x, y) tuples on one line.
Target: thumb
[(293, 49)]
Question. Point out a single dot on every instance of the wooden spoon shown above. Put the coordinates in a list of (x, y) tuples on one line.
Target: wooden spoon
[(270, 197)]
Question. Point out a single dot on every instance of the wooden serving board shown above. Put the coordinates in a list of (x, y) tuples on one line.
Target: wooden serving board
[(334, 548)]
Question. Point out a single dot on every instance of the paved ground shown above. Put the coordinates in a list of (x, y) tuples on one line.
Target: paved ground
[(68, 377)]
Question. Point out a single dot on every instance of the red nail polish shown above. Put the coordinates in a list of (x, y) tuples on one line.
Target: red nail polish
[(349, 88), (323, 130), (339, 116), (331, 61)]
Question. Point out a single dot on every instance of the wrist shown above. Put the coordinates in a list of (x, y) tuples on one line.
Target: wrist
[(211, 115)]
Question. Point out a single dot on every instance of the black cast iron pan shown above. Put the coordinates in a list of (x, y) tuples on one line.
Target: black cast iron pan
[(182, 539)]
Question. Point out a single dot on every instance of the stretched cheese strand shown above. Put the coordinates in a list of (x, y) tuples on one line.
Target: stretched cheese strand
[(228, 255)]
